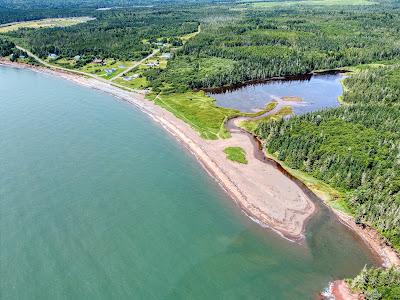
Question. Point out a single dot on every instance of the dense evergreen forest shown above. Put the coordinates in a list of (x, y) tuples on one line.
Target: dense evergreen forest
[(66, 4), (120, 34), (262, 44), (354, 148), (6, 47), (378, 283)]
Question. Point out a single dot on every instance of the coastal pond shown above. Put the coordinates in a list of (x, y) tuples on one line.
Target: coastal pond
[(310, 92), (98, 202)]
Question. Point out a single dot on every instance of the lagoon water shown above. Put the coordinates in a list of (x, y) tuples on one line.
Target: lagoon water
[(317, 92), (98, 202)]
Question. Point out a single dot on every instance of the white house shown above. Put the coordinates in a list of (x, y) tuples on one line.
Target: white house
[(53, 56)]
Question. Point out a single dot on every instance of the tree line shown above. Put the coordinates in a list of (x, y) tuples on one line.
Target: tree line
[(378, 283), (354, 148), (121, 34), (262, 44)]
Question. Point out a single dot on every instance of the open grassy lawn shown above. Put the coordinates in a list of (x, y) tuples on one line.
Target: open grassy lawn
[(251, 125), (198, 110), (135, 83), (100, 69), (64, 62), (236, 154), (44, 23)]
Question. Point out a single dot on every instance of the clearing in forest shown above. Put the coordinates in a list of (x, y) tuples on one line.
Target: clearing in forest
[(44, 23)]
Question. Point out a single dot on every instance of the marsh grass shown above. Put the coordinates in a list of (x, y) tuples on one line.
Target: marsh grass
[(236, 154)]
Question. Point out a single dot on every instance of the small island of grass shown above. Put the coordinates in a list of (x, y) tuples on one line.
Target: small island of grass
[(236, 154)]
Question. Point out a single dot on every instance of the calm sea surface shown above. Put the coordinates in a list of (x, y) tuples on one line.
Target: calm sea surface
[(98, 202), (317, 92)]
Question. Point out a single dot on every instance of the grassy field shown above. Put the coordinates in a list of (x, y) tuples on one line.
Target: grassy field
[(199, 111), (139, 83), (188, 36), (44, 23), (236, 154), (100, 69)]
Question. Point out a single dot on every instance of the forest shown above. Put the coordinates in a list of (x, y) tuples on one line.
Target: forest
[(354, 148), (378, 283), (6, 47), (124, 35), (234, 45), (257, 45)]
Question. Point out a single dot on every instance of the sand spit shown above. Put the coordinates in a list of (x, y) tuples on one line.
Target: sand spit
[(260, 190), (264, 193)]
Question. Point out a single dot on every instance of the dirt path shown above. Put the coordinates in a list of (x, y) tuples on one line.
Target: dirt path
[(135, 65)]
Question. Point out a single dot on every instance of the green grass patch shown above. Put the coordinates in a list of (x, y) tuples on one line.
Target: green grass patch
[(199, 111), (270, 106), (251, 125), (100, 69), (236, 154), (136, 83)]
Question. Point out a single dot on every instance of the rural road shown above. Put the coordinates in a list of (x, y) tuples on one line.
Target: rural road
[(46, 64), (135, 65)]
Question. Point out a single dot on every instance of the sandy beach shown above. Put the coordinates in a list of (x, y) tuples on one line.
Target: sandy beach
[(263, 192), (260, 190)]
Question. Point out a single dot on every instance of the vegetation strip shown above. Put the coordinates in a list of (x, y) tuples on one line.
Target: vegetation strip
[(236, 154)]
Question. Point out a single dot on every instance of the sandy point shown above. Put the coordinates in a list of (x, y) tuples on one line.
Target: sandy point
[(259, 189)]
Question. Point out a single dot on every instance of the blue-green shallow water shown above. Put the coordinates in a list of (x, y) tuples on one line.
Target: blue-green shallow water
[(98, 202)]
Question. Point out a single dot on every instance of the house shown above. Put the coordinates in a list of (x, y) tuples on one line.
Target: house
[(77, 57), (129, 78), (166, 55), (98, 61), (152, 64), (53, 56), (110, 71)]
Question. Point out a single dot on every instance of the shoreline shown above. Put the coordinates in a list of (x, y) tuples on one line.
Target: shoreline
[(386, 254), (285, 78), (262, 192), (228, 174)]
